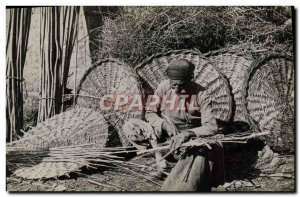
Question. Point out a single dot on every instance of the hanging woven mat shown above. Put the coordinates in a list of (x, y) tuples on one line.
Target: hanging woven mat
[(110, 77), (152, 71), (270, 99)]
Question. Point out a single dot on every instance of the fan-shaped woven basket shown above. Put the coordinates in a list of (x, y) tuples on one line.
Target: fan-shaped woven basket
[(270, 99), (152, 71), (74, 127), (234, 66), (110, 77), (35, 156)]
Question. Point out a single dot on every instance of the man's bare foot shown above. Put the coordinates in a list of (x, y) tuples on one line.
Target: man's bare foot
[(158, 175), (161, 163)]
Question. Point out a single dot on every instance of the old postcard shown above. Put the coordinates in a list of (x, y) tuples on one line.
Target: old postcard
[(150, 98)]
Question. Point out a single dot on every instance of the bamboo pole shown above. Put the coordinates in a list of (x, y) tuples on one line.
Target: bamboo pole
[(58, 32), (16, 47), (75, 77)]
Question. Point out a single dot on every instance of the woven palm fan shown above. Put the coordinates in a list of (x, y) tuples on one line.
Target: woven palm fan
[(110, 77), (234, 66), (152, 71), (270, 99), (35, 155)]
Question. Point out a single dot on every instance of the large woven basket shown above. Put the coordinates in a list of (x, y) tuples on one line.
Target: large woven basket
[(152, 71), (234, 66), (270, 99), (34, 155), (110, 77), (74, 127)]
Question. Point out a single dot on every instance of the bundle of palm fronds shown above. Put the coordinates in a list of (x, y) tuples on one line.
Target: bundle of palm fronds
[(219, 138)]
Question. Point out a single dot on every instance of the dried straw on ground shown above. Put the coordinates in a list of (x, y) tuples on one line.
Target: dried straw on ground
[(61, 161), (110, 77), (270, 99), (152, 71)]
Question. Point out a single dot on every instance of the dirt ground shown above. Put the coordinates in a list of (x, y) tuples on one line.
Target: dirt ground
[(271, 174), (117, 182)]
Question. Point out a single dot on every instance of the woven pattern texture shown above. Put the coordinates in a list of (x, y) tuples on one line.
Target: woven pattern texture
[(110, 77), (152, 71), (46, 170), (234, 67), (270, 99), (74, 127)]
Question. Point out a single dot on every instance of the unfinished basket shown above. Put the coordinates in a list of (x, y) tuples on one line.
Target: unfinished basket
[(74, 127), (270, 99), (234, 66), (152, 71), (110, 77)]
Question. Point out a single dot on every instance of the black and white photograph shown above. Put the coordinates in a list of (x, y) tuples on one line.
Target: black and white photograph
[(150, 99)]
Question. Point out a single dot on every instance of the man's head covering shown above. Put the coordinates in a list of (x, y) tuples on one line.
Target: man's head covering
[(180, 69)]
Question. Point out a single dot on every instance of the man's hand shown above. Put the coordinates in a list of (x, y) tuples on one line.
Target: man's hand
[(178, 140), (169, 128)]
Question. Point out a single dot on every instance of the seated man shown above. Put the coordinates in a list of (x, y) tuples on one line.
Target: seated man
[(183, 112)]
